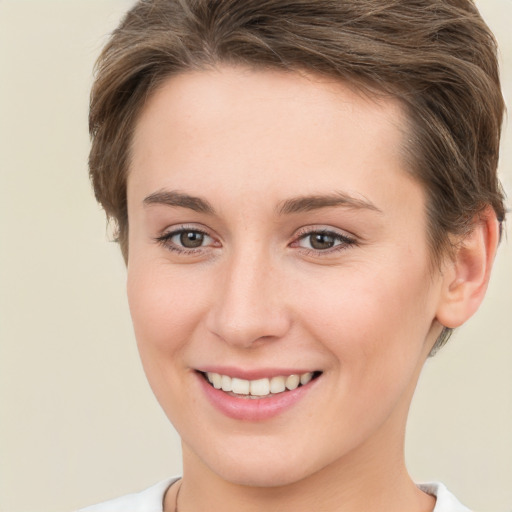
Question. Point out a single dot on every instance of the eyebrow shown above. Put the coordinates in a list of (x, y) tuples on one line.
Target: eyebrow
[(316, 202), (179, 199), (300, 204)]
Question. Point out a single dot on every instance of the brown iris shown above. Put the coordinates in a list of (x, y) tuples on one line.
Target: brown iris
[(191, 239), (321, 241)]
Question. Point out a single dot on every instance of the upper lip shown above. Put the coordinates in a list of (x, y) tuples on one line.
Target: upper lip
[(254, 373)]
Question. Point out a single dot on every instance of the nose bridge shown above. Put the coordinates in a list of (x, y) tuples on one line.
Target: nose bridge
[(249, 306)]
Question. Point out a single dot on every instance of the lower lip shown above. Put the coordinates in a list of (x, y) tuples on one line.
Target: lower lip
[(253, 409)]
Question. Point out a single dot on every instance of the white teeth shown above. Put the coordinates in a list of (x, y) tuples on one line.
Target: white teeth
[(215, 379), (259, 387), (292, 382), (277, 384), (305, 378), (240, 386), (225, 383)]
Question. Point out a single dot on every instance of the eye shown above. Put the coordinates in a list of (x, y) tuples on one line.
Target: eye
[(323, 240), (319, 241), (185, 239), (189, 239)]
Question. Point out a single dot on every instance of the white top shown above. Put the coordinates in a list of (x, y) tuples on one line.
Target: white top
[(151, 500)]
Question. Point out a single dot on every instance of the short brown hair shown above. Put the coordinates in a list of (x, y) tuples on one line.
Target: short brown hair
[(438, 57)]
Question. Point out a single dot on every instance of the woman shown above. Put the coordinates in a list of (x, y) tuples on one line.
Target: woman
[(307, 203)]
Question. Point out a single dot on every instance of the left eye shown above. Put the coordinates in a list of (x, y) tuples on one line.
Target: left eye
[(323, 240)]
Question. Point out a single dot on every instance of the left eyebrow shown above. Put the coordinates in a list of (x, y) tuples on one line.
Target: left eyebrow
[(316, 202)]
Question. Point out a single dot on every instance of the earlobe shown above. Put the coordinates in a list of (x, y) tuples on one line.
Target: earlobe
[(466, 274)]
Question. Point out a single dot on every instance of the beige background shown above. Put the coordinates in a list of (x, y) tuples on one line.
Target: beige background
[(78, 423)]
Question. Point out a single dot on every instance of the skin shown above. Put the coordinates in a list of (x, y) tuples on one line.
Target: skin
[(257, 295)]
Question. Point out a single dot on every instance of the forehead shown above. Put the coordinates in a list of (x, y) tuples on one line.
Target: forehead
[(241, 135), (205, 96)]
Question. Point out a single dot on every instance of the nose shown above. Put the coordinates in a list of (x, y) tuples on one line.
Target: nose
[(250, 306)]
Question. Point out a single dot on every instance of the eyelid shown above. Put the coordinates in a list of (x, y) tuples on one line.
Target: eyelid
[(165, 238), (322, 228), (346, 239)]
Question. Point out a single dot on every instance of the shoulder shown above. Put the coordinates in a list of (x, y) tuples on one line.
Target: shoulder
[(445, 500), (149, 500)]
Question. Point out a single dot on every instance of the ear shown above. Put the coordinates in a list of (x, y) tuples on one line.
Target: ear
[(466, 274)]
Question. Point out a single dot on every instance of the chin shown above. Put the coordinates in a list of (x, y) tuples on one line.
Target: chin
[(250, 476), (264, 466)]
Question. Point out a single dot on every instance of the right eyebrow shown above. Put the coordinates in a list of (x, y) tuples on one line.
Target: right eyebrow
[(179, 199)]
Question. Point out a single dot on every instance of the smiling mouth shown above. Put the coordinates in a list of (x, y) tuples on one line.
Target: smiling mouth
[(259, 388)]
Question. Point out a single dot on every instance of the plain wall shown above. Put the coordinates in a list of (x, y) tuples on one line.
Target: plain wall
[(78, 423)]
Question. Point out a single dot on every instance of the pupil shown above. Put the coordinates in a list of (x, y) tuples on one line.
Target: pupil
[(322, 241), (191, 239)]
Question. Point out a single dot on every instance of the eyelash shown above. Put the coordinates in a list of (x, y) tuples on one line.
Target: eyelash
[(342, 242), (166, 240)]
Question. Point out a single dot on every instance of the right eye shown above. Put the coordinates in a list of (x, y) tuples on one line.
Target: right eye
[(189, 239), (185, 240)]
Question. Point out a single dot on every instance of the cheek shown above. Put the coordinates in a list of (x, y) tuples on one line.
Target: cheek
[(373, 319), (165, 311), (163, 307)]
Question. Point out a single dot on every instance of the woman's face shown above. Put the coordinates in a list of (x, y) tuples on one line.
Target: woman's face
[(275, 231)]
